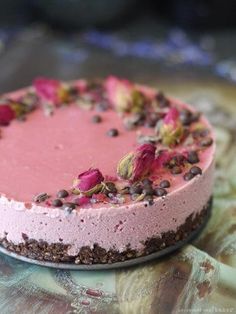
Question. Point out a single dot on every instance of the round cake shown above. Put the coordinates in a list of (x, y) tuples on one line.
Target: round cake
[(102, 171)]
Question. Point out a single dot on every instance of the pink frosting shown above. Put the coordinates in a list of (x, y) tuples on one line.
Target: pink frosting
[(45, 153)]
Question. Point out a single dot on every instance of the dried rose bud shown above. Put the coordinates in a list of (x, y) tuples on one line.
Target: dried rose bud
[(124, 96), (6, 114), (50, 90), (119, 93), (136, 165), (171, 130), (125, 166), (89, 182)]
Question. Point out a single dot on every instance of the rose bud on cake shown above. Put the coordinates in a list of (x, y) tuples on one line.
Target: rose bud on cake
[(171, 131), (89, 182), (136, 165), (119, 93), (123, 95), (52, 91), (7, 114)]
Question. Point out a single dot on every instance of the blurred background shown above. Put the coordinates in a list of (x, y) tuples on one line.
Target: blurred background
[(155, 42)]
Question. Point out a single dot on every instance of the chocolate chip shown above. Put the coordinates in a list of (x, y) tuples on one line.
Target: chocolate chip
[(206, 142), (113, 132), (165, 184), (148, 190), (57, 203), (188, 176), (195, 170), (160, 192), (96, 119), (177, 160), (193, 157), (136, 189), (185, 117), (176, 170), (147, 181), (68, 207), (62, 194), (41, 197)]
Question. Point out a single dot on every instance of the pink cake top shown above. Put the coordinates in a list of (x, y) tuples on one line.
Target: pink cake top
[(87, 143)]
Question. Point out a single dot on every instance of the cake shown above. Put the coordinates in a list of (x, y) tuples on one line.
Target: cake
[(100, 171)]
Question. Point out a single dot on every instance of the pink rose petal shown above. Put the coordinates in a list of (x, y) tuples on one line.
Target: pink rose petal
[(143, 160), (89, 179), (6, 114)]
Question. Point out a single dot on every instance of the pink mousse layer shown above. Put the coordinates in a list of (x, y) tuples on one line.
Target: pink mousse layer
[(44, 154)]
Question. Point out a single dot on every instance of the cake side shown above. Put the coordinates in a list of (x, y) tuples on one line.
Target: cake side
[(58, 252)]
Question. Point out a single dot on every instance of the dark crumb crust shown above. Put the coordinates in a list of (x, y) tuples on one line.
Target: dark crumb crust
[(57, 252)]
